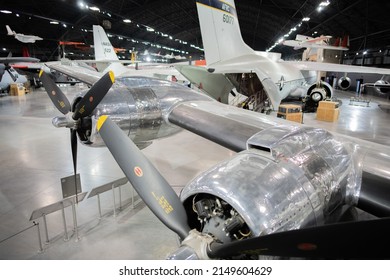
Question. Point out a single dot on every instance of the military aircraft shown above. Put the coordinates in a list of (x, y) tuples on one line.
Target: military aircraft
[(107, 60), (280, 194), (260, 74), (320, 42), (8, 74), (21, 37)]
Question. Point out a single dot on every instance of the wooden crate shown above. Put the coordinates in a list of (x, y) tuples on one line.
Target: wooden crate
[(328, 115), (290, 112)]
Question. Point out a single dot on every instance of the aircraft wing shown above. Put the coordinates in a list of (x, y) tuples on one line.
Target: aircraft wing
[(333, 67), (7, 60), (77, 72)]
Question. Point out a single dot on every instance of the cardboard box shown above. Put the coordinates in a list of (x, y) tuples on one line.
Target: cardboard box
[(17, 89), (328, 105), (328, 115)]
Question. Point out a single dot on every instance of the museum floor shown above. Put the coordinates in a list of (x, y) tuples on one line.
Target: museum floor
[(35, 155)]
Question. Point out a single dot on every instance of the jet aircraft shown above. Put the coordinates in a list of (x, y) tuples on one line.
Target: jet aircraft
[(8, 74), (259, 74), (320, 42), (21, 37), (283, 193)]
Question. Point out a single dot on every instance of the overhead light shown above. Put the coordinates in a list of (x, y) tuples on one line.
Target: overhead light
[(54, 22), (81, 4), (6, 12), (64, 25), (4, 49), (306, 19), (365, 52), (149, 29), (324, 3), (126, 20), (94, 8), (17, 15)]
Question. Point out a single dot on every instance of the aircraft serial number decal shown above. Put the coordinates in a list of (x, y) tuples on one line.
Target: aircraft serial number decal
[(163, 202), (227, 19)]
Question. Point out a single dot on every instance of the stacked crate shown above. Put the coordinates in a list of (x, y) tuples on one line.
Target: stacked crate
[(328, 111), (290, 112)]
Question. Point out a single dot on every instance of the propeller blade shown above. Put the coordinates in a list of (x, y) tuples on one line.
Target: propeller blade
[(93, 97), (145, 178), (73, 143), (351, 240), (56, 95)]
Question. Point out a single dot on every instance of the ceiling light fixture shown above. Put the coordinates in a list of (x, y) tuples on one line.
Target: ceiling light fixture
[(96, 9), (6, 12), (127, 20)]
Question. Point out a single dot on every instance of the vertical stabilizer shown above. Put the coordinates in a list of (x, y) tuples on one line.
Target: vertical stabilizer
[(103, 47), (220, 30), (10, 32)]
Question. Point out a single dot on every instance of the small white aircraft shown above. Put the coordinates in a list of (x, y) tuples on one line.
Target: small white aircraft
[(321, 42), (260, 73), (21, 37), (107, 60)]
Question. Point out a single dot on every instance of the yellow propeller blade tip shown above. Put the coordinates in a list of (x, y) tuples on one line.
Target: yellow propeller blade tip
[(40, 73), (101, 121), (112, 76)]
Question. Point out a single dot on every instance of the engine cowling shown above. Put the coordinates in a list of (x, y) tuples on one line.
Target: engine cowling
[(344, 83), (316, 93), (282, 182), (382, 90)]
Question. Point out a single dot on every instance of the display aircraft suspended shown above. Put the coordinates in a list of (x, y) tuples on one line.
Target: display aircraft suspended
[(107, 60), (321, 42), (8, 74), (258, 74), (21, 37), (283, 193)]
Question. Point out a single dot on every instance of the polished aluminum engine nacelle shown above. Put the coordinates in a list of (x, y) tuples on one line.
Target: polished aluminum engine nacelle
[(344, 83), (288, 178), (139, 106)]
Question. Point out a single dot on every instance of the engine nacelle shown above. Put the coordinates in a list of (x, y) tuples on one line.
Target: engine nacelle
[(382, 90), (282, 182), (316, 93), (344, 83), (139, 107)]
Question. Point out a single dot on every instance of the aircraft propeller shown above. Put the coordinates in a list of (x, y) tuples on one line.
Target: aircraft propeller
[(145, 178), (83, 108), (352, 240)]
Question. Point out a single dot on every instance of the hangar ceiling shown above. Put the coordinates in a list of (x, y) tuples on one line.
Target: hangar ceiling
[(162, 26)]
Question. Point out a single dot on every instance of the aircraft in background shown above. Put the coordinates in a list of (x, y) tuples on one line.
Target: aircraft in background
[(21, 37), (259, 75), (283, 193), (8, 74), (321, 42), (107, 60)]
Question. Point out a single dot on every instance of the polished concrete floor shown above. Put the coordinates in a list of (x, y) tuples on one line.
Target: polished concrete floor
[(35, 155)]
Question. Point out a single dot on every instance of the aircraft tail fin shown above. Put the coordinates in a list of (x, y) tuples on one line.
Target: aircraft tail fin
[(9, 31), (220, 30), (345, 42), (103, 48)]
